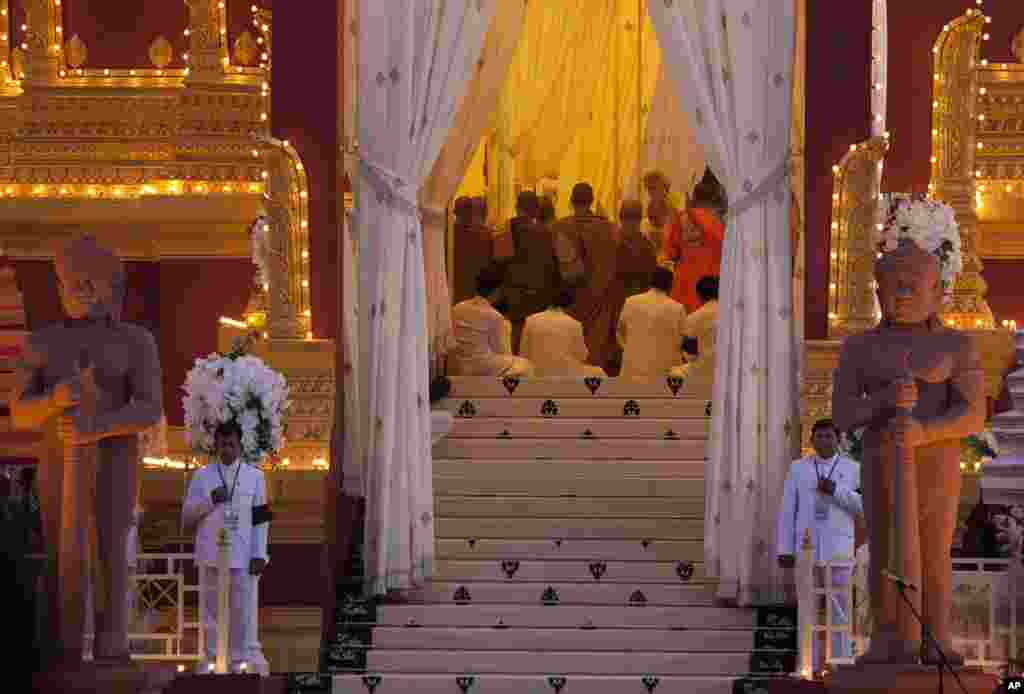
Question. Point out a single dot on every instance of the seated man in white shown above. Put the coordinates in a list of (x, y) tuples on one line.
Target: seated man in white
[(553, 341), (700, 336), (650, 330), (822, 494), (482, 335), (230, 487)]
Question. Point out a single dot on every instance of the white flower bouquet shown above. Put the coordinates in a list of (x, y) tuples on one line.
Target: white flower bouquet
[(236, 387), (930, 224)]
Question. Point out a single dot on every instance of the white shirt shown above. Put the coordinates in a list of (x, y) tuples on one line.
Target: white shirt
[(480, 339), (250, 489), (650, 330), (553, 341), (831, 519)]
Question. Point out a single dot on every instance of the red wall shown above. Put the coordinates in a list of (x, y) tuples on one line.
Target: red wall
[(838, 102)]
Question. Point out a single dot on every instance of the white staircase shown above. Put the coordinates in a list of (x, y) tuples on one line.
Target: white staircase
[(570, 541)]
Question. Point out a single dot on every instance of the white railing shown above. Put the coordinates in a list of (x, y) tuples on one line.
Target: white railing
[(162, 626), (986, 602)]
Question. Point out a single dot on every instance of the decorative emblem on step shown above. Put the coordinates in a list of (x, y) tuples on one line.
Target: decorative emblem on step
[(645, 543), (588, 434), (674, 383), (558, 544), (556, 683), (631, 409), (465, 682), (550, 596), (593, 383), (501, 624), (707, 409), (650, 683), (598, 569), (684, 570), (472, 544), (466, 409), (462, 595), (549, 408), (504, 434), (671, 435), (510, 566), (638, 598), (371, 682), (510, 383), (412, 623), (588, 623)]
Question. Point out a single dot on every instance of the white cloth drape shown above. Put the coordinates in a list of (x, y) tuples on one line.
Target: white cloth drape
[(470, 125), (733, 61), (416, 60)]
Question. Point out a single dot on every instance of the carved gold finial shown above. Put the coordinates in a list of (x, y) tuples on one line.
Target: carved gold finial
[(76, 52), (18, 63), (160, 52), (1018, 45), (245, 50)]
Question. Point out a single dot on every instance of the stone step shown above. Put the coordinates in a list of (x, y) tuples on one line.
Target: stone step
[(605, 449), (457, 483), (568, 469), (514, 592), (572, 549), (547, 616), (602, 528), (491, 387), (424, 683), (624, 408), (566, 663), (568, 427), (489, 638), (567, 507), (630, 572)]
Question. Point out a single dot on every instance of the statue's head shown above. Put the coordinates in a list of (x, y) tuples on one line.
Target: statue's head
[(909, 284), (90, 279)]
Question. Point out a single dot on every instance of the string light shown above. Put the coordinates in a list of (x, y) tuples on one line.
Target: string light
[(126, 192)]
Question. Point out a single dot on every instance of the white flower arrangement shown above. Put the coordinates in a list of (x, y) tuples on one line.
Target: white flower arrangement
[(260, 233), (928, 223), (236, 387)]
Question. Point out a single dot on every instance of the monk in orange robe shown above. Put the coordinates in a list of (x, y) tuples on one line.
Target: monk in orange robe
[(694, 242), (474, 247)]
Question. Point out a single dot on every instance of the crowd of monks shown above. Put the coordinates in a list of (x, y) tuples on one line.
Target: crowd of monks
[(584, 296)]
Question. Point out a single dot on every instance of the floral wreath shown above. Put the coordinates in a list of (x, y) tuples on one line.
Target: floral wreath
[(240, 388), (928, 223)]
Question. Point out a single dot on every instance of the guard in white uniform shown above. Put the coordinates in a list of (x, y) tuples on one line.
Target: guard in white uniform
[(216, 490), (822, 494)]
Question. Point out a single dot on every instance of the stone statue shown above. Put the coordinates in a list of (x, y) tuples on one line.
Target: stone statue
[(94, 382), (918, 388)]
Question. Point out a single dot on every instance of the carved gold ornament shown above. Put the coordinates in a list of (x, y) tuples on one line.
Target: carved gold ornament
[(18, 63), (76, 52), (160, 52), (245, 51), (1018, 45)]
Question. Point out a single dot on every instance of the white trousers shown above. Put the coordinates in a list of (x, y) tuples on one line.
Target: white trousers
[(839, 605), (243, 612)]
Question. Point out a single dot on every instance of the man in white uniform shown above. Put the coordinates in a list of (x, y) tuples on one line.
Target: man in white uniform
[(553, 341), (483, 336), (650, 330), (822, 494), (230, 489), (700, 337)]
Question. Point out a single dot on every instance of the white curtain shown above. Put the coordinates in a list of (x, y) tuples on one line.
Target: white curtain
[(471, 123), (733, 62), (415, 63)]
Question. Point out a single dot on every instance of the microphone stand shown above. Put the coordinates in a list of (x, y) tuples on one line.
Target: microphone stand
[(901, 588)]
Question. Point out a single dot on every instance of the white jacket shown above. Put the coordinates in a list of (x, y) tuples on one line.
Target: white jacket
[(553, 341), (482, 341), (651, 328), (832, 537), (248, 541)]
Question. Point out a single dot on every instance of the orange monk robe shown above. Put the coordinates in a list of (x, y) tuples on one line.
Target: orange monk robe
[(474, 250), (693, 259)]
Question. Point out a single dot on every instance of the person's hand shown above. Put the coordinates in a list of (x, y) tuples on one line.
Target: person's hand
[(787, 561), (827, 487), (256, 566), (906, 430), (219, 495)]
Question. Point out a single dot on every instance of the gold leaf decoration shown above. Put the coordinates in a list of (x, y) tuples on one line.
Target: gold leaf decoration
[(160, 52), (76, 52), (18, 62), (245, 50)]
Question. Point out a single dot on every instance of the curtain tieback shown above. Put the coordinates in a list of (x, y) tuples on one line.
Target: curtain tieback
[(391, 189), (758, 193)]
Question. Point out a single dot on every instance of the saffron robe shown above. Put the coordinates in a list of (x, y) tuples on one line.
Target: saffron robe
[(693, 260)]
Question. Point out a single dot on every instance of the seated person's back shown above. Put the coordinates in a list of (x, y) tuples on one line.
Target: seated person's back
[(481, 339), (650, 330), (553, 342)]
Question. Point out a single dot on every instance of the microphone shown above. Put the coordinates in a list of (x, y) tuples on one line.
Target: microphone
[(900, 582)]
